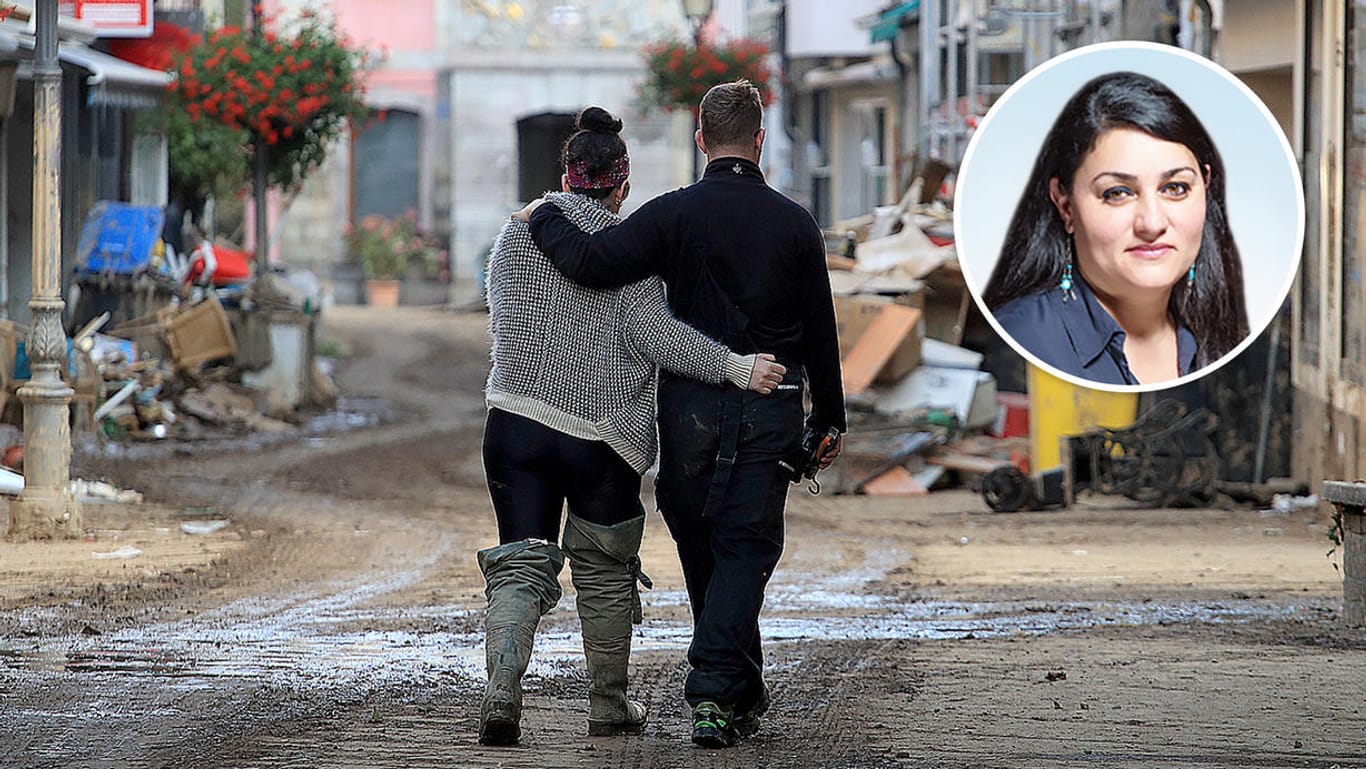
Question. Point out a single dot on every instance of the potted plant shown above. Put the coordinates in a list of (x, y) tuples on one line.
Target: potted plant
[(386, 248)]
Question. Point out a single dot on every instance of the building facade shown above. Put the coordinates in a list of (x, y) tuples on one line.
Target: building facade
[(105, 154)]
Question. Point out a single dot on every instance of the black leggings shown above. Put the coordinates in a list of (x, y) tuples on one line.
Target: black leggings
[(532, 470)]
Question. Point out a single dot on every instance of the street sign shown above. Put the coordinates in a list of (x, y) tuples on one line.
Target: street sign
[(112, 18)]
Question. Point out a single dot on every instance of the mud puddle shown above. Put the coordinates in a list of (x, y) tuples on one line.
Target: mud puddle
[(294, 645)]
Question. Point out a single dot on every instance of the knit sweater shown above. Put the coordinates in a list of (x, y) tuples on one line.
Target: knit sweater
[(584, 361)]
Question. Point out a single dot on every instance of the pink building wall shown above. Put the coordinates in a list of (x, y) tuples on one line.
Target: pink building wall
[(403, 36), (403, 32)]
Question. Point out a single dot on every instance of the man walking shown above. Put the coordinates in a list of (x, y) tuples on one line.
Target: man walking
[(745, 265)]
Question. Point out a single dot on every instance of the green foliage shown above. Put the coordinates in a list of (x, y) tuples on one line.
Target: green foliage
[(387, 247)]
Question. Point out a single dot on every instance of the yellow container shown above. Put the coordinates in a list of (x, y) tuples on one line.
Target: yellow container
[(1058, 408)]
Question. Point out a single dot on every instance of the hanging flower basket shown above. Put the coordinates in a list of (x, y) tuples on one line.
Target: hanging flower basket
[(680, 73), (291, 89)]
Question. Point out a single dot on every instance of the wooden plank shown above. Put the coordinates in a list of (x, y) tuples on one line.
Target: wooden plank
[(968, 463), (837, 262), (877, 345), (896, 482)]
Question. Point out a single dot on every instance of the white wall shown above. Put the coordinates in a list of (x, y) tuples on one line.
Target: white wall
[(489, 96), (1258, 34), (828, 27)]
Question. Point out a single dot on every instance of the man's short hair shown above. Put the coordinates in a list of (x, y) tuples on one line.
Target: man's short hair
[(731, 114)]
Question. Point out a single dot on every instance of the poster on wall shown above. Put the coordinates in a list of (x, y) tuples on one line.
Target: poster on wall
[(112, 18)]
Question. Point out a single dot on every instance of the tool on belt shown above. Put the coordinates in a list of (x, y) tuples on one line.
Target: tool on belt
[(806, 462)]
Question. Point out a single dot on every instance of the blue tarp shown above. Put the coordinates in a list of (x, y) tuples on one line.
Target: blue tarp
[(118, 239)]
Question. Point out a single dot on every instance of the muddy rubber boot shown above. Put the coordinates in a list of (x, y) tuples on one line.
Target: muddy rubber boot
[(605, 565), (521, 584)]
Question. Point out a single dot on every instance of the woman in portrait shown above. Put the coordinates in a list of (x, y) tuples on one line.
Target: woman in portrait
[(1118, 265)]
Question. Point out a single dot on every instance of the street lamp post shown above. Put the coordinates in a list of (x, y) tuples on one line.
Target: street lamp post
[(697, 11), (260, 185), (46, 507)]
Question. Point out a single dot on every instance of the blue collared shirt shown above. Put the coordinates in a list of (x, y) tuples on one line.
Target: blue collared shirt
[(1078, 336)]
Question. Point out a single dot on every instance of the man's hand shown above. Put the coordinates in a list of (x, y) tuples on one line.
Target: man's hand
[(524, 215), (831, 453), (767, 373)]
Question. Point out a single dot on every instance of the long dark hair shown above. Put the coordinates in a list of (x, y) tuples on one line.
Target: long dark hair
[(597, 143), (1036, 245)]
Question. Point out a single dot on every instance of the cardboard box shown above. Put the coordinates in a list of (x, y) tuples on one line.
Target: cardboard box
[(971, 394), (853, 316)]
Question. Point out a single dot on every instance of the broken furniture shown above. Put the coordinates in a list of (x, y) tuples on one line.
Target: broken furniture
[(1166, 457)]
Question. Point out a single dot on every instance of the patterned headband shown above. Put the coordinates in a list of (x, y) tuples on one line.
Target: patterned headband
[(579, 178)]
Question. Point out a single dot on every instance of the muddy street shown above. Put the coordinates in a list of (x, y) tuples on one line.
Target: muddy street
[(312, 600)]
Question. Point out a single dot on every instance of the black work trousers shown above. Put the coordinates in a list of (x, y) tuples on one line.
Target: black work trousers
[(533, 470), (729, 549)]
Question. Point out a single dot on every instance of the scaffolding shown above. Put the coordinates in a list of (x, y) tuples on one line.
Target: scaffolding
[(1011, 37)]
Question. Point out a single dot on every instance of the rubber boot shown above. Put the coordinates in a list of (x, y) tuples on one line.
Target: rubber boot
[(521, 584), (604, 566)]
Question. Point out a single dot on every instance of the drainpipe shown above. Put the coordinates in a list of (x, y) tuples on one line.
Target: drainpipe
[(971, 85), (260, 185), (902, 123), (46, 508), (951, 84), (929, 67)]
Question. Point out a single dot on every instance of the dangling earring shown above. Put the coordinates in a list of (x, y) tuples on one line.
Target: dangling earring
[(1190, 277), (1065, 285)]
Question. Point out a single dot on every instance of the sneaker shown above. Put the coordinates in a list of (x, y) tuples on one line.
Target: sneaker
[(747, 723), (712, 727)]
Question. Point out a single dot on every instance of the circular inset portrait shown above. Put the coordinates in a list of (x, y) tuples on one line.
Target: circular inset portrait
[(1129, 216)]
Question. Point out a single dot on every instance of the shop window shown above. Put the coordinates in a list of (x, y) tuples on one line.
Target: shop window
[(388, 164), (540, 139)]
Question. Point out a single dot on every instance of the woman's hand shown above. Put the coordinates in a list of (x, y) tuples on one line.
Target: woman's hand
[(524, 215), (766, 374)]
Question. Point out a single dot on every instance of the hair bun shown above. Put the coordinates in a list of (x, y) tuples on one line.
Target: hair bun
[(599, 120)]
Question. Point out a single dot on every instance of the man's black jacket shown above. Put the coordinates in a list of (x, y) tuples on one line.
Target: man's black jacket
[(742, 263)]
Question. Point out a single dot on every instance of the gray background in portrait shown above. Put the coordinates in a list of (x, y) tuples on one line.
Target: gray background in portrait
[(1263, 194)]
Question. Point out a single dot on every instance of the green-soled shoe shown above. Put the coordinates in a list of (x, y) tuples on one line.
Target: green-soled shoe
[(712, 727)]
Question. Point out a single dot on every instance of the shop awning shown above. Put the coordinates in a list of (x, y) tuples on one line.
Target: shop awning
[(112, 82), (886, 24)]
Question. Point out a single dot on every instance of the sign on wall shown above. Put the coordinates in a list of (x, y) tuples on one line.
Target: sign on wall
[(112, 18)]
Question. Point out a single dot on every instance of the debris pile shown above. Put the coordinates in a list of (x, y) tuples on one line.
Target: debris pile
[(923, 414), (167, 346)]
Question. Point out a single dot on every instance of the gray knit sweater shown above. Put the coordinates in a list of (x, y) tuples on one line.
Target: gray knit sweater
[(584, 361)]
